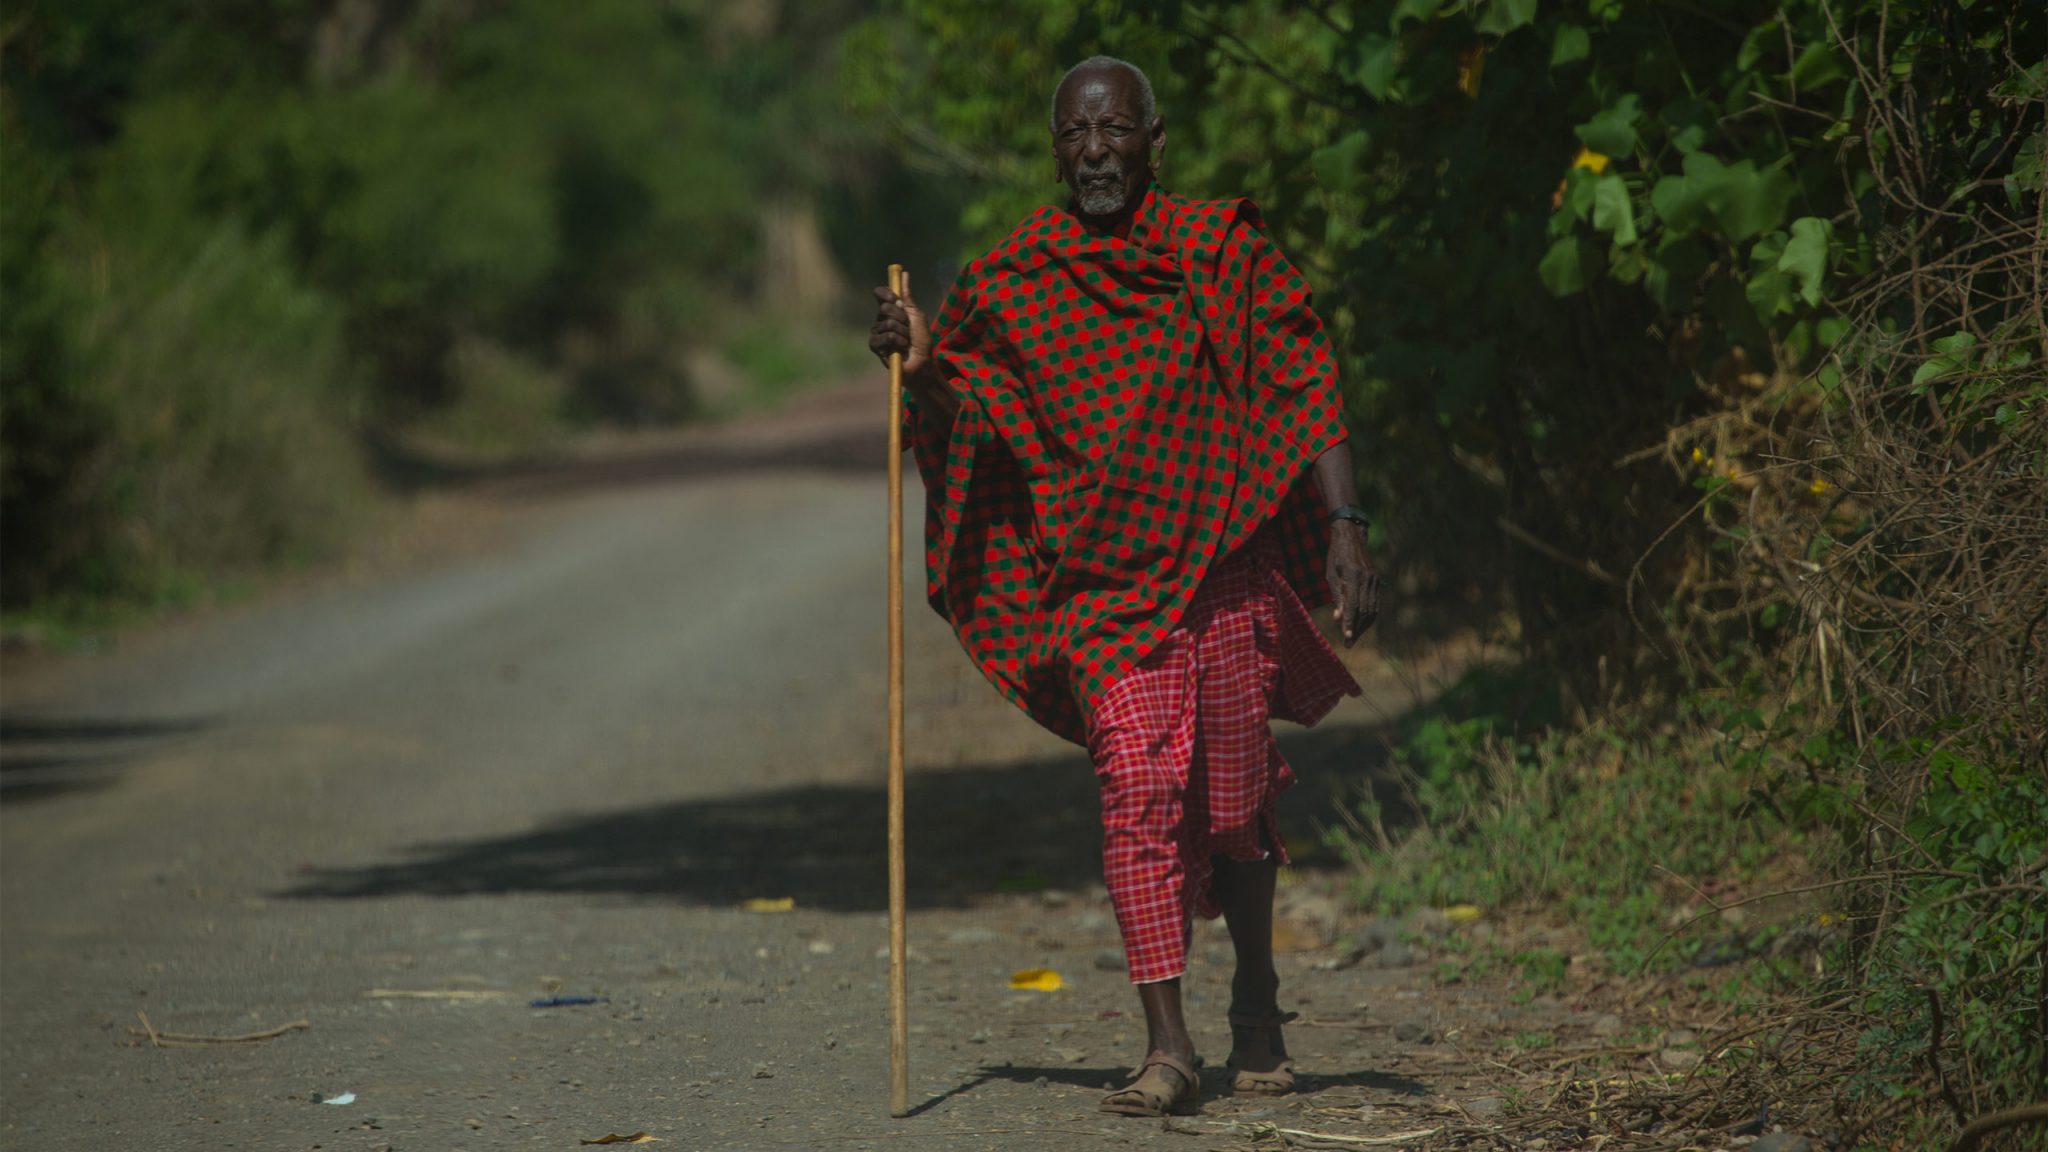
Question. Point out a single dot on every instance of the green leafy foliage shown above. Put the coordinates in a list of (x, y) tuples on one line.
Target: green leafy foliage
[(1549, 238), (1508, 209), (1596, 824), (465, 226)]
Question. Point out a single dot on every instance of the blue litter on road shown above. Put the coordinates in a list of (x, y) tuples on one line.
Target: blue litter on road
[(569, 1001)]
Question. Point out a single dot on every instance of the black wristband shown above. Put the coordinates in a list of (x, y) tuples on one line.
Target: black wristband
[(1353, 513)]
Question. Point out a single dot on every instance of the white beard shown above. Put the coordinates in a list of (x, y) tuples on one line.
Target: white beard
[(1106, 202)]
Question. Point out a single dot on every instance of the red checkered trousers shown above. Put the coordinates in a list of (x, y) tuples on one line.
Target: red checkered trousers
[(1188, 765)]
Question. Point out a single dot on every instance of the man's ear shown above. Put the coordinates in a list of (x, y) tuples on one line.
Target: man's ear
[(1158, 142)]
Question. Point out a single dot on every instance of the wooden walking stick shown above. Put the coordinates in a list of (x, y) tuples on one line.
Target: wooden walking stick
[(899, 986)]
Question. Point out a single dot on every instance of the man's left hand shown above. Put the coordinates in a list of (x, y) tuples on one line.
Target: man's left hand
[(1354, 581)]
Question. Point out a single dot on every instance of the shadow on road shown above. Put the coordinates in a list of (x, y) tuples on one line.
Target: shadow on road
[(972, 831), (45, 756)]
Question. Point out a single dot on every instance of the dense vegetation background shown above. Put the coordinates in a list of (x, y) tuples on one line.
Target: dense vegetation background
[(1705, 343), (1697, 349), (260, 253)]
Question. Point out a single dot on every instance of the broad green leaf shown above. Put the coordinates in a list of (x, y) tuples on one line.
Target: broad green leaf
[(1613, 131), (1769, 291), (1337, 166), (1379, 60), (1500, 17), (1571, 45), (1405, 10), (1805, 258), (2028, 168), (1957, 344), (1745, 202), (1816, 67), (1578, 192), (1934, 369), (1688, 123), (1761, 38), (1677, 203), (1611, 210), (2027, 84), (1562, 270), (1673, 276), (1952, 354)]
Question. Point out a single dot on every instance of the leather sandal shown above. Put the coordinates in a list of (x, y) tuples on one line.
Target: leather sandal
[(1152, 1094), (1277, 1082)]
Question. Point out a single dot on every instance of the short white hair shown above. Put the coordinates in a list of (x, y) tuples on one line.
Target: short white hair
[(1148, 107)]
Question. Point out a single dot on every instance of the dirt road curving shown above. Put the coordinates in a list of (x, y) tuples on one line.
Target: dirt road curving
[(553, 754)]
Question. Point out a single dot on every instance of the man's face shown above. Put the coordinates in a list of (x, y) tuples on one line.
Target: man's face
[(1105, 154)]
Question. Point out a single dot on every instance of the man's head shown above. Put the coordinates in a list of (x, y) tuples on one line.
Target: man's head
[(1107, 135)]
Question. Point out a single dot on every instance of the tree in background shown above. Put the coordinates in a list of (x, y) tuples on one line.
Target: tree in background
[(245, 238)]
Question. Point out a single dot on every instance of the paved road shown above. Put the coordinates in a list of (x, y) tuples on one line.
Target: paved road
[(556, 754)]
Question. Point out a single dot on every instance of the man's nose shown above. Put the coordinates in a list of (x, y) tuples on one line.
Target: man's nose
[(1095, 149)]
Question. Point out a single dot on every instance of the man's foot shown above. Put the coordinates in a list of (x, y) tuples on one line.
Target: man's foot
[(1166, 1085), (1258, 1054)]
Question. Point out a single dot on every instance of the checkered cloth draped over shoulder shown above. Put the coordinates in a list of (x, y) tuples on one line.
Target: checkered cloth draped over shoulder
[(1134, 408)]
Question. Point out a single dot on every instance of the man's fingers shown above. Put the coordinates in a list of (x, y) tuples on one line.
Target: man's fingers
[(908, 302)]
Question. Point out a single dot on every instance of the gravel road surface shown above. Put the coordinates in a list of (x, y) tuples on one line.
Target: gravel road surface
[(553, 750)]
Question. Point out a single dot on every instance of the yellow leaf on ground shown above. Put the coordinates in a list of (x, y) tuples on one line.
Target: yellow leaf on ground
[(1463, 913), (1591, 160), (766, 904), (1037, 980), (615, 1138)]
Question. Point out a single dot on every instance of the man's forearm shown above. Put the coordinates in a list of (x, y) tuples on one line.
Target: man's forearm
[(937, 403), (1334, 478)]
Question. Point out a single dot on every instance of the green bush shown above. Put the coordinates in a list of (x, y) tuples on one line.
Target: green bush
[(217, 394), (1608, 825), (1705, 339), (237, 237)]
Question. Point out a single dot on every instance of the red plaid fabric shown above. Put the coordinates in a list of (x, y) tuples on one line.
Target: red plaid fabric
[(1134, 407), (1188, 765)]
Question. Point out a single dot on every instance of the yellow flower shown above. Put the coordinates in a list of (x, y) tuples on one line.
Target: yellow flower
[(1698, 457), (1592, 161), (770, 904), (1818, 486)]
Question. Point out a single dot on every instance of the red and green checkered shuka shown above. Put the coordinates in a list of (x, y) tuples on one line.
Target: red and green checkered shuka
[(1134, 408)]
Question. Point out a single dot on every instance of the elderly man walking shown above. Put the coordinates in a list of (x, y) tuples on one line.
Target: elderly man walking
[(1135, 468)]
